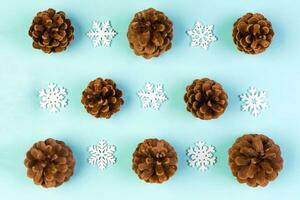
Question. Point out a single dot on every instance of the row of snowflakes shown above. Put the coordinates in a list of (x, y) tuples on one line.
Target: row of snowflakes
[(54, 97)]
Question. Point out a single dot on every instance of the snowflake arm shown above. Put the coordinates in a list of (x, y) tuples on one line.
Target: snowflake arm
[(152, 96), (202, 35), (101, 34), (53, 98), (254, 101), (102, 154), (201, 156)]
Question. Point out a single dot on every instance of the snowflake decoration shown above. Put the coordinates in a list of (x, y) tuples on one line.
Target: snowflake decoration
[(53, 98), (202, 35), (201, 156), (153, 96), (101, 34), (102, 154), (254, 101)]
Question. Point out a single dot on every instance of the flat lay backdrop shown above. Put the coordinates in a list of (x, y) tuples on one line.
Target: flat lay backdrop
[(24, 71)]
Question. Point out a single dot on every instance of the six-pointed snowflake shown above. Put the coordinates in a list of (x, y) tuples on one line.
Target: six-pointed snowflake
[(202, 35), (53, 98), (254, 101), (201, 156), (153, 96), (101, 34), (102, 154)]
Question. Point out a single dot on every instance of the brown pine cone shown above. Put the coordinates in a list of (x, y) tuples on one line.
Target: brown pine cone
[(102, 98), (252, 33), (51, 31), (150, 33), (255, 159), (206, 99), (49, 163), (154, 161)]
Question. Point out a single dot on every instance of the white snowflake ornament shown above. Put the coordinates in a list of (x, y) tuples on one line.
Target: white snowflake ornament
[(254, 101), (201, 156), (101, 34), (152, 96), (53, 98), (202, 35), (102, 154)]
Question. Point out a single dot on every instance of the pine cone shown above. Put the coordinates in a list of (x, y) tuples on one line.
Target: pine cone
[(51, 31), (154, 161), (150, 33), (255, 159), (49, 163), (206, 99), (102, 98), (252, 33)]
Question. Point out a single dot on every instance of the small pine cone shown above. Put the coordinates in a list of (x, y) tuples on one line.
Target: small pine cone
[(206, 99), (102, 98), (150, 33), (255, 159), (252, 33), (51, 31), (49, 163), (154, 161)]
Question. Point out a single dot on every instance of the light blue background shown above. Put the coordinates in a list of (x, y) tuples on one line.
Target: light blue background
[(24, 71)]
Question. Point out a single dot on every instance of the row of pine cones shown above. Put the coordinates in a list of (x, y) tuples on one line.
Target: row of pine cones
[(205, 98), (150, 32), (254, 159)]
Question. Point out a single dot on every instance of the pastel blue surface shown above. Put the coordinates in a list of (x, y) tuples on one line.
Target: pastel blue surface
[(24, 71)]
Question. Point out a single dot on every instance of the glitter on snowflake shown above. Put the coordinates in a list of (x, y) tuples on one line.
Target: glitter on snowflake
[(201, 156), (254, 101), (152, 96), (53, 98), (202, 35), (102, 154), (101, 34)]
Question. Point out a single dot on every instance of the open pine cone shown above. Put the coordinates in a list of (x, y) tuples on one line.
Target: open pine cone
[(51, 31), (154, 161), (255, 159), (252, 33), (102, 98), (49, 163), (206, 99), (150, 33)]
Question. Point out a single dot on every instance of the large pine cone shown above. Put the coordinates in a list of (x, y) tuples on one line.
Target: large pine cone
[(150, 33), (154, 161), (252, 33), (102, 98), (255, 159), (49, 163), (206, 99), (51, 31)]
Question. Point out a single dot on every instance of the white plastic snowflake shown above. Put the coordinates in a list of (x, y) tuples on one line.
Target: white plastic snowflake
[(102, 154), (153, 96), (202, 35), (254, 101), (201, 156), (101, 34), (53, 98)]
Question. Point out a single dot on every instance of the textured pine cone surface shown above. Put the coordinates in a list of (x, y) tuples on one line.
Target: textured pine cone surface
[(51, 31), (252, 33), (255, 159), (102, 98), (154, 161), (206, 99), (150, 33), (49, 163)]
